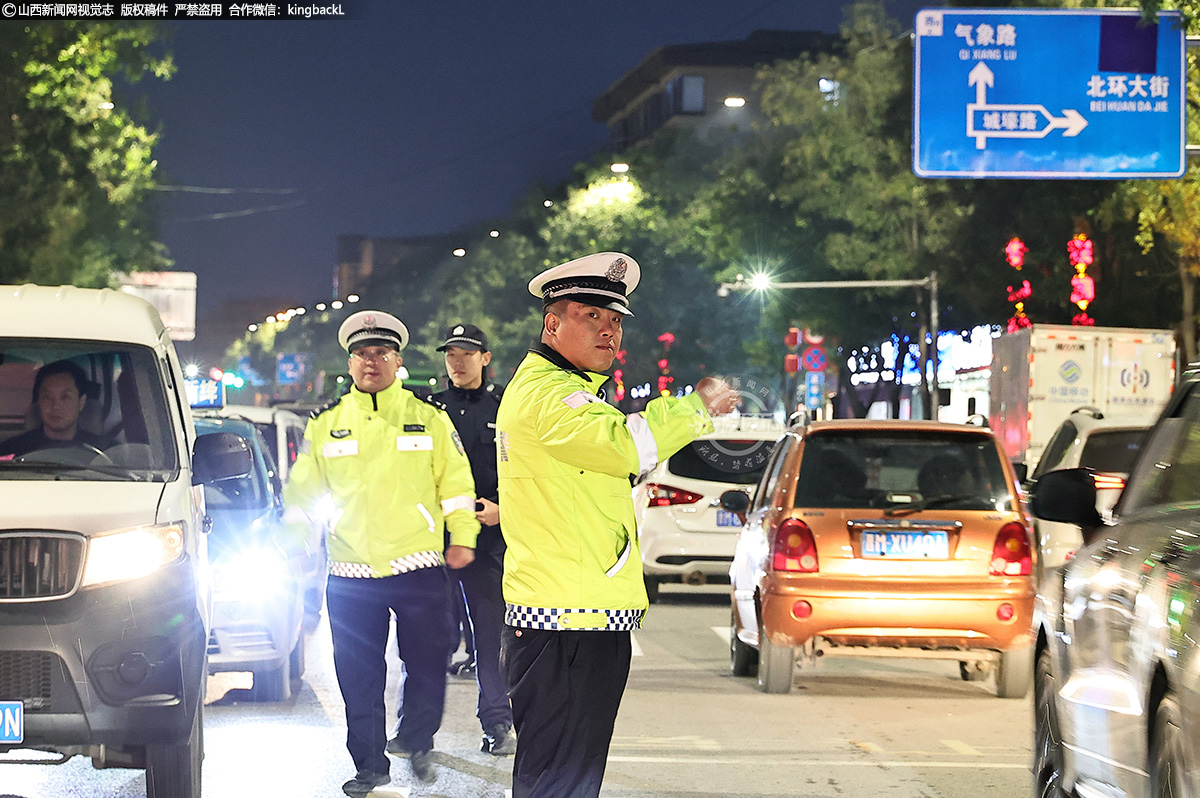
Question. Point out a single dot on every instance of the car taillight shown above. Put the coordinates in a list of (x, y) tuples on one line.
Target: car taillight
[(1011, 554), (664, 495), (1109, 481), (794, 548)]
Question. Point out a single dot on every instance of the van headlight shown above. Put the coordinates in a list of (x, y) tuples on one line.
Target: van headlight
[(132, 553), (254, 574)]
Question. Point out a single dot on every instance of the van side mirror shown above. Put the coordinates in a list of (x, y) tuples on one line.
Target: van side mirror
[(735, 501), (1069, 497), (219, 456)]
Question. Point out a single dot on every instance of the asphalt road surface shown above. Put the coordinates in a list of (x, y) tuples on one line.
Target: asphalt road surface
[(852, 727)]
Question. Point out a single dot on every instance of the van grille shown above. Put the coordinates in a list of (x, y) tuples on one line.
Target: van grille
[(39, 565), (26, 676)]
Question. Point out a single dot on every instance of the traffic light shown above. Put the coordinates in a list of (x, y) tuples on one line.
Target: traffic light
[(791, 363), (792, 339)]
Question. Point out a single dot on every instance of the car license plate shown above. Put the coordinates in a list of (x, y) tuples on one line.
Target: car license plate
[(726, 518), (906, 545), (12, 722)]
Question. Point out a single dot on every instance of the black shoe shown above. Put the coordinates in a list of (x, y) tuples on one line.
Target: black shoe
[(422, 767), (397, 748), (499, 740), (363, 782), (464, 669)]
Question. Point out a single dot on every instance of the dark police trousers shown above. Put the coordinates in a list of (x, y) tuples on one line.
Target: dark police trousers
[(481, 584), (359, 619), (565, 688)]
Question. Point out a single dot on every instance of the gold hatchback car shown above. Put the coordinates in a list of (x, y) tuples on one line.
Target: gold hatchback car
[(884, 538)]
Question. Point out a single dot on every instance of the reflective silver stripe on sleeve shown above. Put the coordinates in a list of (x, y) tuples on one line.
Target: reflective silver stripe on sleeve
[(643, 440), (458, 503)]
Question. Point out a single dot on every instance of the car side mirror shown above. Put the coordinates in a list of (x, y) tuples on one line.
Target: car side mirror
[(1022, 471), (1068, 497), (219, 456), (735, 501)]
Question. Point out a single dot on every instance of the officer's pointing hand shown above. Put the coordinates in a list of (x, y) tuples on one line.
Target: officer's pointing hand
[(717, 396), (459, 556)]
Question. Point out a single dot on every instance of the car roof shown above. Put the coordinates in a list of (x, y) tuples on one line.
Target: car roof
[(260, 415), (745, 427), (1086, 419), (206, 424), (897, 425)]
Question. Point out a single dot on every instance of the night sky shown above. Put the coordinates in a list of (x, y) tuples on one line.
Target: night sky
[(417, 117)]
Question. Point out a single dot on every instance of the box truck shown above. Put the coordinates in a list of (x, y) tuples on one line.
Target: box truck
[(1042, 373)]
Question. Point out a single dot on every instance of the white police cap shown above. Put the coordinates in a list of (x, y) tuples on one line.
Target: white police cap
[(603, 280), (372, 328)]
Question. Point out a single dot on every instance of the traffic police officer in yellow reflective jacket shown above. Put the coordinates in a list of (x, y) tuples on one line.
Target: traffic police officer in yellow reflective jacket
[(573, 586), (385, 472)]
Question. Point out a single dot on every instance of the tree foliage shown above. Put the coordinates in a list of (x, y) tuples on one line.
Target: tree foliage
[(75, 167)]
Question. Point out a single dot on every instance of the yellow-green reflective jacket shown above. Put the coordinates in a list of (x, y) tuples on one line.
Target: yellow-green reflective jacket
[(565, 458), (384, 472)]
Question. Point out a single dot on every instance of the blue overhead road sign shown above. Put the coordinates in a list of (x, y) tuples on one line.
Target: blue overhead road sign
[(1048, 93)]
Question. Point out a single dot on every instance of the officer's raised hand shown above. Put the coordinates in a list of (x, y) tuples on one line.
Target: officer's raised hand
[(460, 556), (717, 396)]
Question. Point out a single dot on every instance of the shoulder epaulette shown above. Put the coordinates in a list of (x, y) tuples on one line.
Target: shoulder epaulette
[(328, 405), (429, 399)]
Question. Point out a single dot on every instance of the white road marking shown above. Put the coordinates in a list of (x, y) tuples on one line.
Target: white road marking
[(871, 763), (959, 747), (722, 632), (637, 649)]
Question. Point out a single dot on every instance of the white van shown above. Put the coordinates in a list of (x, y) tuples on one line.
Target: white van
[(104, 590)]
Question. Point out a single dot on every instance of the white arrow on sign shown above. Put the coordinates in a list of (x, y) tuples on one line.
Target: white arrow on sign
[(1028, 124)]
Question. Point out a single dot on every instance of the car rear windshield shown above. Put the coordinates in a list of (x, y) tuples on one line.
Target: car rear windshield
[(1111, 450), (901, 470), (731, 460)]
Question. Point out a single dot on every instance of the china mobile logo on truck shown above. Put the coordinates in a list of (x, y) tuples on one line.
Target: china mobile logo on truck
[(1070, 371)]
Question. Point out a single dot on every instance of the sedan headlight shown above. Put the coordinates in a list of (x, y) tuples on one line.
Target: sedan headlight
[(253, 574), (132, 553)]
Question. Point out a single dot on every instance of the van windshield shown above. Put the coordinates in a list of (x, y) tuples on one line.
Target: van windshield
[(83, 410)]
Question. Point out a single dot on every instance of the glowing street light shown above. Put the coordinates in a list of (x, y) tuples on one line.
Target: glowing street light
[(735, 102), (459, 252), (760, 282), (619, 168)]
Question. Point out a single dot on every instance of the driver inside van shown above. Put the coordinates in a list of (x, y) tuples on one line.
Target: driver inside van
[(59, 395)]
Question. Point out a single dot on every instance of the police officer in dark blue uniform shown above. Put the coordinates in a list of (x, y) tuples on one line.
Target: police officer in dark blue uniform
[(472, 402)]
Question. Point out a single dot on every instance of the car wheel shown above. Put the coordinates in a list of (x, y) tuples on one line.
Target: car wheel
[(742, 657), (173, 771), (1166, 751), (652, 588), (776, 665), (1048, 760), (1014, 673), (272, 685), (296, 660)]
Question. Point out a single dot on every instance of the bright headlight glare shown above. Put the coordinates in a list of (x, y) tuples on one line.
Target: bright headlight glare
[(252, 574), (132, 553)]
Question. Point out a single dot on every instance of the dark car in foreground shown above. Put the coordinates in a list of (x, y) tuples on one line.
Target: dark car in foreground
[(1117, 678)]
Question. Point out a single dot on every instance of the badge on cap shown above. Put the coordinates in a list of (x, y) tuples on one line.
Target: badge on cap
[(616, 270)]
